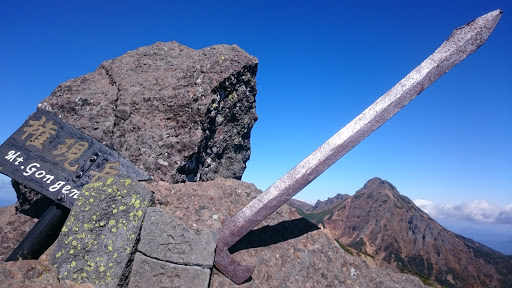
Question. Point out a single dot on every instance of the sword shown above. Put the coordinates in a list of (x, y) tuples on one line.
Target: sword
[(462, 42)]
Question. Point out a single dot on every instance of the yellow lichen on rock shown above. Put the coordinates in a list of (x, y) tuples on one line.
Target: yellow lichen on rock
[(126, 181), (104, 224)]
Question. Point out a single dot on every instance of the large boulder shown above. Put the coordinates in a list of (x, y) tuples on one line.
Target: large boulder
[(178, 113)]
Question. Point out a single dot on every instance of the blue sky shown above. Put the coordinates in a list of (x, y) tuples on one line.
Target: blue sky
[(321, 63)]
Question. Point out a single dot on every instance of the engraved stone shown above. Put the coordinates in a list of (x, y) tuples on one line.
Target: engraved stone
[(166, 238), (99, 237)]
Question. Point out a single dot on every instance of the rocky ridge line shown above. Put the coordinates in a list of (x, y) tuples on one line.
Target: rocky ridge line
[(380, 223)]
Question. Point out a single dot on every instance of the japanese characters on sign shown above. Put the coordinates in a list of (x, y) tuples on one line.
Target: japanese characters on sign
[(55, 159)]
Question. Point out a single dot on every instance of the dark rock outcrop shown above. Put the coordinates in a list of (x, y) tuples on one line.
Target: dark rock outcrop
[(379, 222), (179, 114)]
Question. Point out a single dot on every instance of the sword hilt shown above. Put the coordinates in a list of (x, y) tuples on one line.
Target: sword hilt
[(230, 267)]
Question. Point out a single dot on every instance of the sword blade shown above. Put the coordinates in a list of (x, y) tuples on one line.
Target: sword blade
[(462, 42)]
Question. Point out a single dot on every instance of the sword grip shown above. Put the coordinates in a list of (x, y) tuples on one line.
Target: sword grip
[(42, 235)]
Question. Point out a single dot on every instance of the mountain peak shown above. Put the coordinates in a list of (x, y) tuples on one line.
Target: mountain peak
[(377, 188), (377, 182), (388, 227), (380, 222)]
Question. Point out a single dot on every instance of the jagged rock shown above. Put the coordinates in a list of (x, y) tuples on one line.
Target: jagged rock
[(149, 272), (166, 238), (178, 113), (287, 250), (97, 243)]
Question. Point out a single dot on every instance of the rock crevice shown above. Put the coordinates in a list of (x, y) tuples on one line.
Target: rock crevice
[(115, 103)]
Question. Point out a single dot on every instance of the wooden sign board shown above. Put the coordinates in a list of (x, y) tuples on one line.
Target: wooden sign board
[(55, 159)]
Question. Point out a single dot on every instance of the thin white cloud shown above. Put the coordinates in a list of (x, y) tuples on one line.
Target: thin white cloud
[(505, 215), (477, 210)]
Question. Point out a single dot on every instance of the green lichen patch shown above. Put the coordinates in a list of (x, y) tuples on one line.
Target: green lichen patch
[(99, 236)]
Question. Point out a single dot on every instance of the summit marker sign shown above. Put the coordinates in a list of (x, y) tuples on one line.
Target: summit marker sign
[(55, 159)]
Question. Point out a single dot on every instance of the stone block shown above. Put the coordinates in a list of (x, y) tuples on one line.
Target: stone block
[(148, 272), (166, 238), (98, 240)]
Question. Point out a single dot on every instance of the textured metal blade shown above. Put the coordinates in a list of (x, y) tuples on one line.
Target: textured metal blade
[(462, 42)]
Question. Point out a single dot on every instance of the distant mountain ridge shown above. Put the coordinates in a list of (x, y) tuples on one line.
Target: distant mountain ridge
[(330, 202), (379, 222), (319, 205)]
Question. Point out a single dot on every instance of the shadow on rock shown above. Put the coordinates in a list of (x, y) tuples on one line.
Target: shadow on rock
[(269, 235)]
